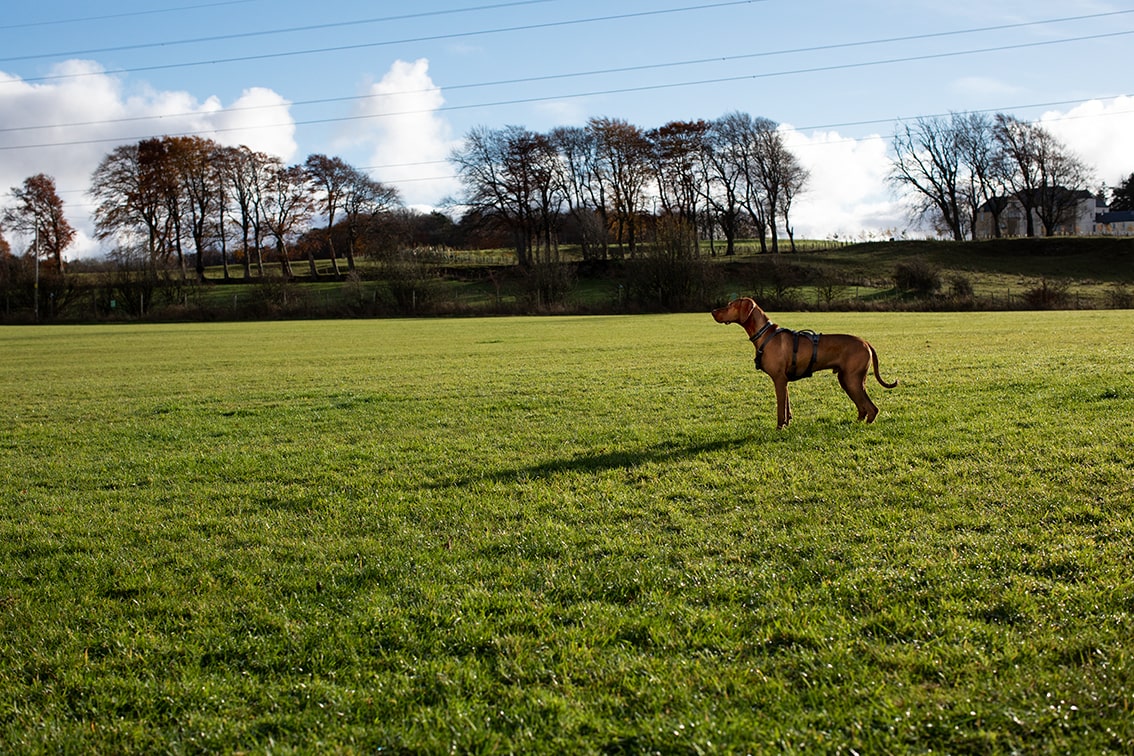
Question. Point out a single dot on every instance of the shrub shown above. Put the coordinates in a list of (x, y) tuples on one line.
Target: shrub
[(1049, 295), (830, 290), (412, 285), (1119, 298), (917, 277), (548, 284), (961, 287), (778, 281), (670, 275), (669, 283)]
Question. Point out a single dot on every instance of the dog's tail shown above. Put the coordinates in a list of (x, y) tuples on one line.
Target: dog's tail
[(874, 357)]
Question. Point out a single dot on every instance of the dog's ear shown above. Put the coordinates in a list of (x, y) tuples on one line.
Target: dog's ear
[(746, 308)]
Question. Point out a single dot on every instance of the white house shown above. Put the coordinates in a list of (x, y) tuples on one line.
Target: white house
[(1115, 223), (1091, 217)]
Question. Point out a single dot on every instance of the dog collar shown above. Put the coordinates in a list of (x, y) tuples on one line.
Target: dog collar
[(753, 338)]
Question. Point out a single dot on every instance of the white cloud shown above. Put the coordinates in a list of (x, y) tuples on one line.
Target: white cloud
[(65, 125), (847, 193), (260, 119), (1101, 132), (410, 142)]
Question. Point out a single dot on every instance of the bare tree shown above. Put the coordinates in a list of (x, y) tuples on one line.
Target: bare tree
[(130, 203), (363, 200), (928, 164), (1065, 181), (752, 162), (510, 177), (778, 175), (193, 161), (244, 174), (795, 178), (330, 177), (583, 189), (287, 206), (1017, 140), (222, 164), (161, 171), (677, 150), (984, 178), (1046, 177), (724, 184), (624, 157), (483, 169)]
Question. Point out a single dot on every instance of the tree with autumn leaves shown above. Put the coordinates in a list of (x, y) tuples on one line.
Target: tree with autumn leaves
[(165, 194), (38, 215)]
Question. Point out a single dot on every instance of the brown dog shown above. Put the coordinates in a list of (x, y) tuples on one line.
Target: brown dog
[(789, 355)]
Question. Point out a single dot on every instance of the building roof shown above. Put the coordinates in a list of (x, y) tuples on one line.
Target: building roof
[(1115, 216), (1063, 192)]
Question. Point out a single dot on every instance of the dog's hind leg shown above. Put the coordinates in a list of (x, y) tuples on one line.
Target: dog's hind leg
[(855, 388)]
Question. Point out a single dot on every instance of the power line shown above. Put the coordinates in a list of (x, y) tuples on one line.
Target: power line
[(720, 80), (111, 16), (868, 122), (798, 129), (633, 69), (597, 93), (269, 32), (409, 40)]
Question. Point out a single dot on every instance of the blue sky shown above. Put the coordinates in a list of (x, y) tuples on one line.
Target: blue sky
[(392, 87)]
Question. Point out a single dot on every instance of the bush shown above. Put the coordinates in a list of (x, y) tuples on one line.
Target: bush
[(1049, 295), (1119, 298), (961, 287), (778, 281), (412, 285), (670, 275), (671, 284), (917, 277), (548, 284)]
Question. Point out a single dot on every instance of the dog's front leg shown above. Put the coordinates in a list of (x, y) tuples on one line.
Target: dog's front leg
[(783, 403)]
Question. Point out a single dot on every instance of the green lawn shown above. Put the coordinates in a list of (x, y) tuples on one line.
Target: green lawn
[(565, 535)]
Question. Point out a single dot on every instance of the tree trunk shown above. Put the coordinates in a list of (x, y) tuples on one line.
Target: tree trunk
[(247, 256), (285, 263)]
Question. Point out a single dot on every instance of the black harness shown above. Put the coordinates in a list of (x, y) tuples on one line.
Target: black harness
[(776, 331)]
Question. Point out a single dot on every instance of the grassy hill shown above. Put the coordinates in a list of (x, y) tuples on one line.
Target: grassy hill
[(1059, 273), (997, 274), (1103, 259)]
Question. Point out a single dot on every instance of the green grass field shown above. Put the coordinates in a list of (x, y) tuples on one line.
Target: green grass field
[(568, 535)]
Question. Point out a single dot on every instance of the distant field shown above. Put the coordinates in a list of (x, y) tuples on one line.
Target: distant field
[(565, 535)]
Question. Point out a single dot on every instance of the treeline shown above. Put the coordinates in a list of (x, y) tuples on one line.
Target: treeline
[(615, 184), (176, 209), (170, 199), (187, 203)]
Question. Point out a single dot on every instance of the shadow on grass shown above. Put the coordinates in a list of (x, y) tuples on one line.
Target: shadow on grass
[(597, 462)]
